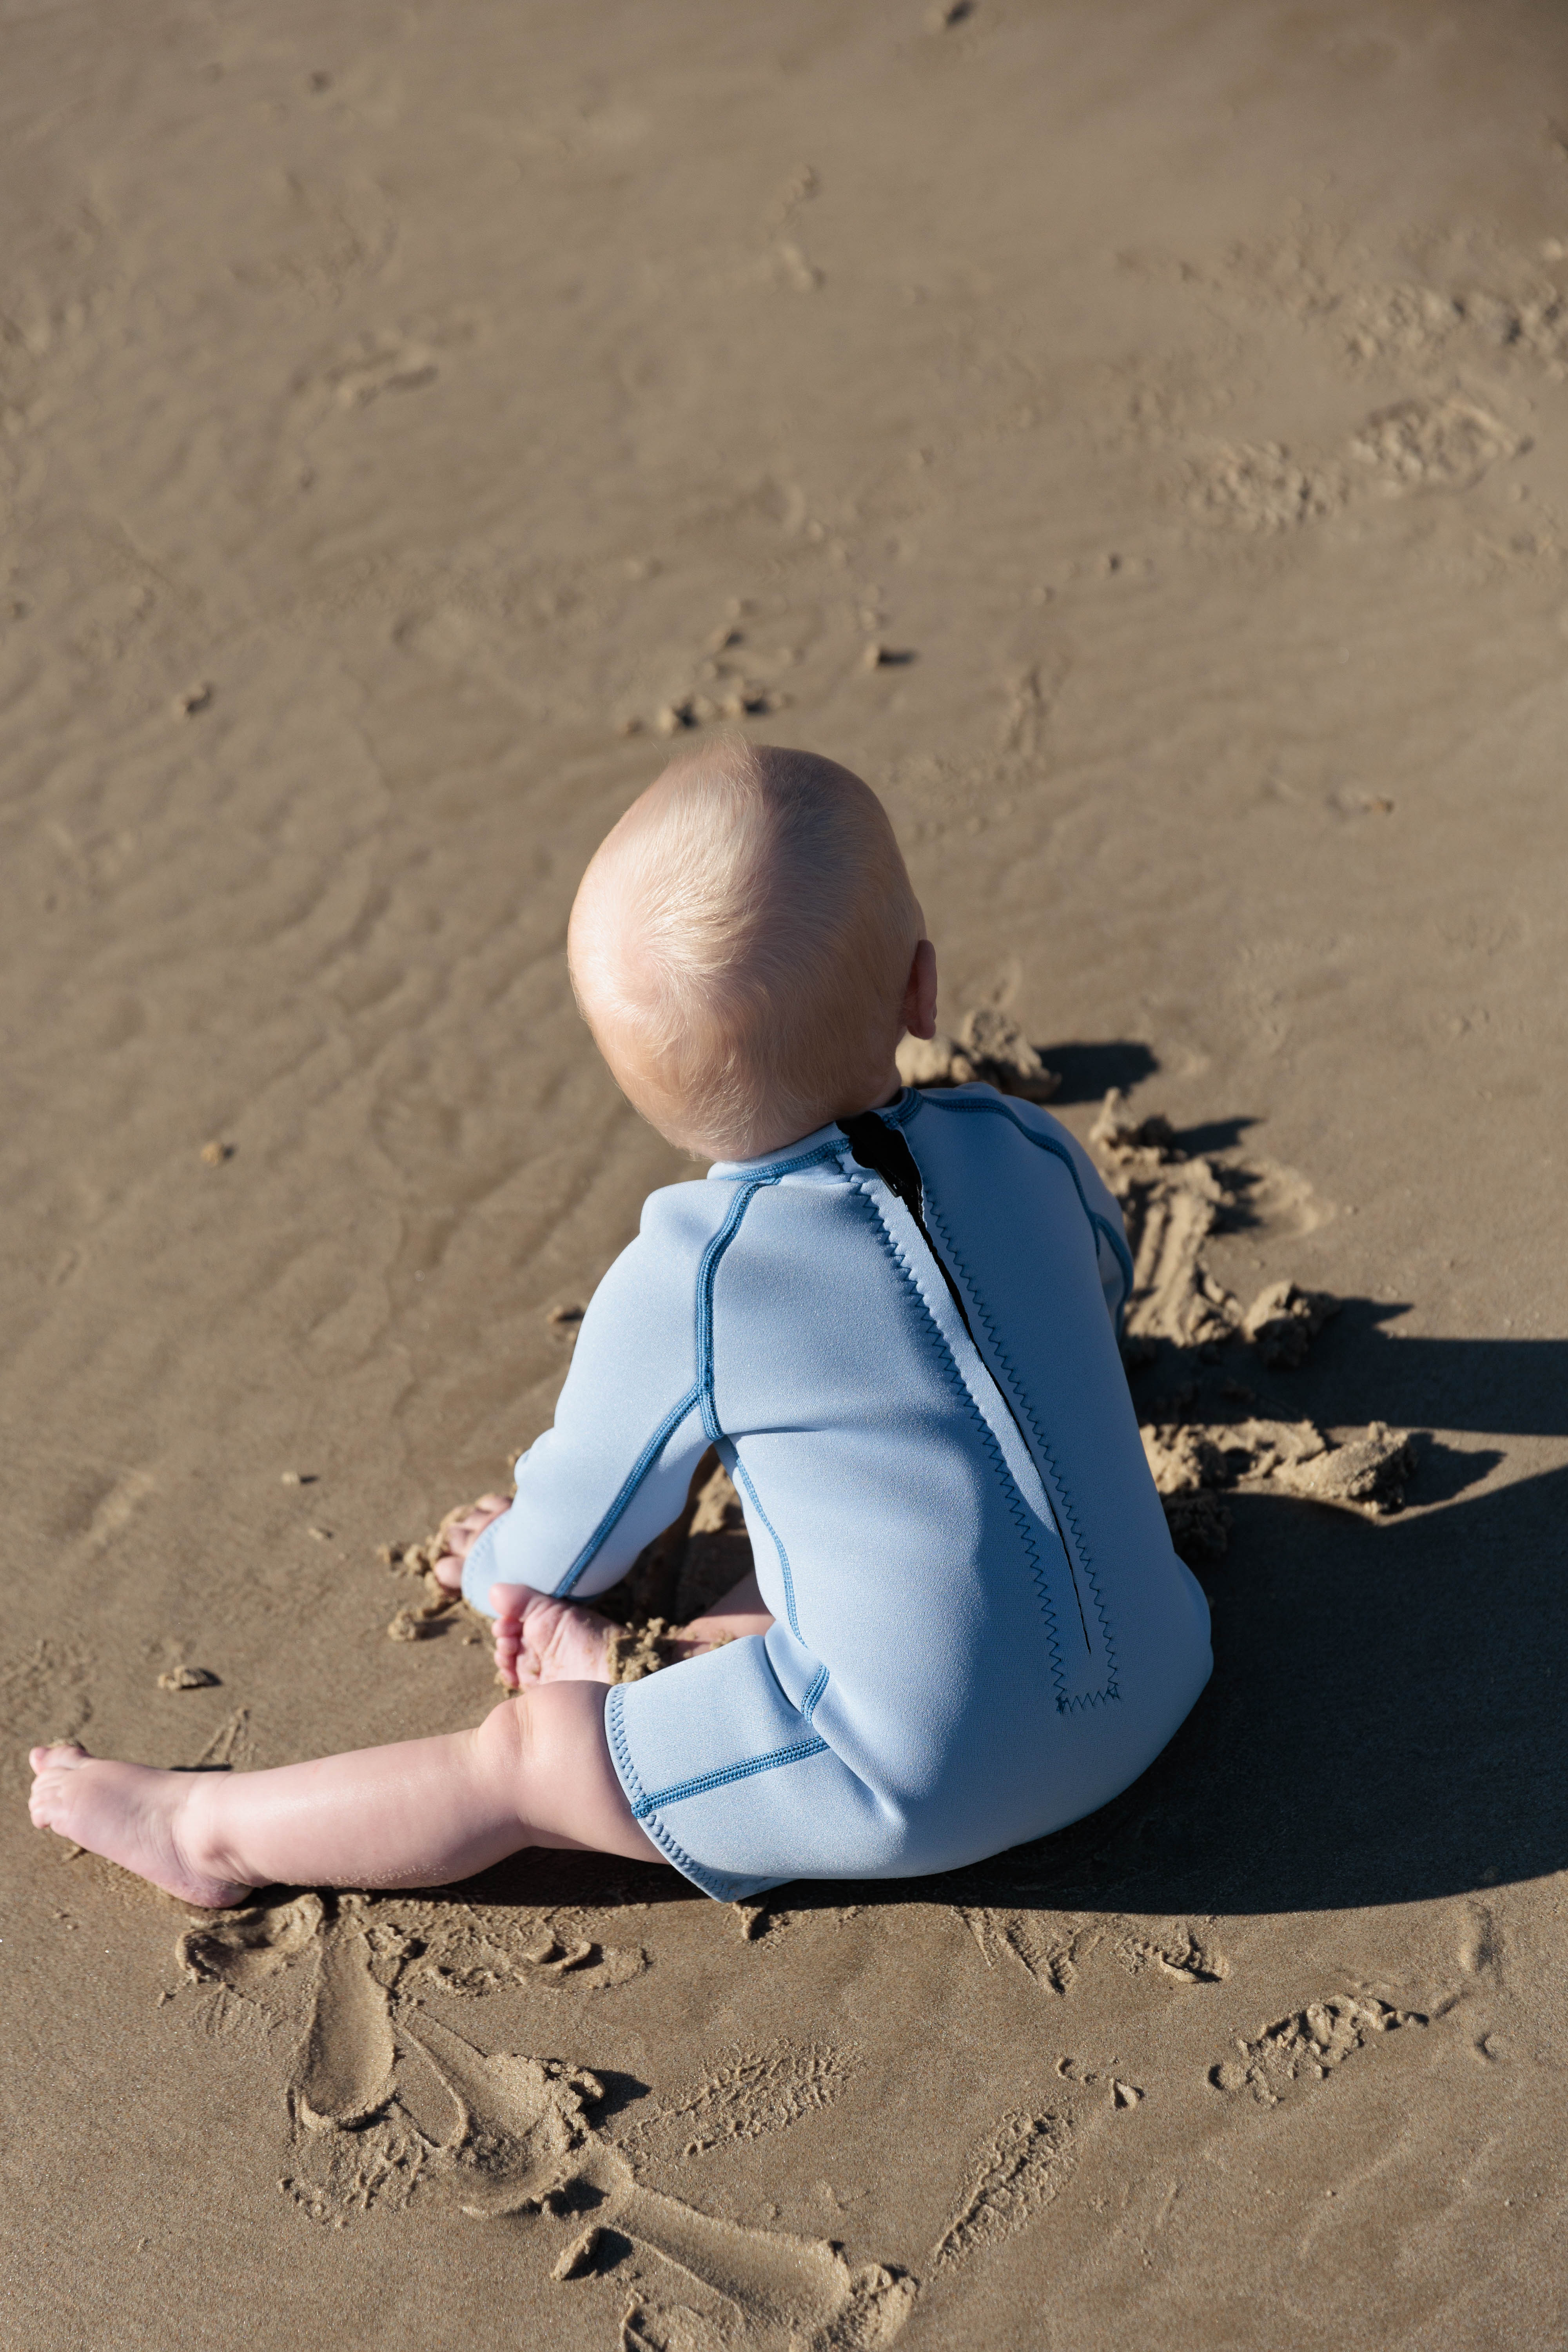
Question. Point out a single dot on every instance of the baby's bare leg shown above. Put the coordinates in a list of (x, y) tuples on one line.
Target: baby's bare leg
[(743, 1610), (537, 1771)]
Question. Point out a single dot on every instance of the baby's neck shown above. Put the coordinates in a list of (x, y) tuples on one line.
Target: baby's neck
[(772, 1143)]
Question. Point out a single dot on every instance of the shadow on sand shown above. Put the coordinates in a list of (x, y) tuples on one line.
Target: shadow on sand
[(1087, 1072)]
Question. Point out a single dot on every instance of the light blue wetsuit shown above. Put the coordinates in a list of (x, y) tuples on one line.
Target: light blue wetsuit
[(982, 1631)]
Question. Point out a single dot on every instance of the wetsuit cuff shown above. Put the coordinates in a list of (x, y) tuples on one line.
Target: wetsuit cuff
[(479, 1570)]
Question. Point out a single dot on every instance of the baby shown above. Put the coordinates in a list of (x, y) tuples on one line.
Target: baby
[(894, 1314)]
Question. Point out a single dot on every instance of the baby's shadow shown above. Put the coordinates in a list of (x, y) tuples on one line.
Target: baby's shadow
[(1382, 1726), (551, 1878)]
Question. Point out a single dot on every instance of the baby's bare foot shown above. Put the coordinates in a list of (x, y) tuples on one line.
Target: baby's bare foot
[(555, 1641), (131, 1813), (540, 1640)]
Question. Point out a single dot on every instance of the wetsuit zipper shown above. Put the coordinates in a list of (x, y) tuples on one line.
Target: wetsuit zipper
[(885, 1151)]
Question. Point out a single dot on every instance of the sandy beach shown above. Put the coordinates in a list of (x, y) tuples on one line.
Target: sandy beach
[(1136, 438)]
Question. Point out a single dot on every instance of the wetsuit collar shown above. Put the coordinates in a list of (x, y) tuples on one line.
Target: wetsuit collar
[(821, 1139)]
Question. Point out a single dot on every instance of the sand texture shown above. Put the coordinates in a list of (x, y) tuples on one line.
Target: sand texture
[(1136, 438)]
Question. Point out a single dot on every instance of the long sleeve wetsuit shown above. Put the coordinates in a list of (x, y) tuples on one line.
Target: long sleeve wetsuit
[(981, 1629)]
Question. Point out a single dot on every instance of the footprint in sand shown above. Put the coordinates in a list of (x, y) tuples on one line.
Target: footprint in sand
[(1413, 447), (1047, 1950), (746, 2093), (385, 2101), (1306, 2046), (1016, 2172), (1051, 1949)]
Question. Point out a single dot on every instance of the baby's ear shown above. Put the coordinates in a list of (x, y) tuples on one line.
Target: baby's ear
[(918, 1010)]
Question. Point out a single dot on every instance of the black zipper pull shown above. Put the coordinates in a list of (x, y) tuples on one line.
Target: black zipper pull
[(884, 1150)]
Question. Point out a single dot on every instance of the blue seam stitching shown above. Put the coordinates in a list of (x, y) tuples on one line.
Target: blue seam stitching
[(709, 1881), (706, 1781), (745, 1478), (999, 1110), (706, 1273), (771, 1171), (1067, 1509), (936, 1341), (707, 1276), (632, 1480), (809, 1703)]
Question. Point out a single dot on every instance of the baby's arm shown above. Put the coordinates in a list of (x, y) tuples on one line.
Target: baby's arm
[(1104, 1213), (633, 1421), (630, 1425)]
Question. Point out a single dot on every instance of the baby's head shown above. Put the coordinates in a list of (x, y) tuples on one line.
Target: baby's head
[(747, 950)]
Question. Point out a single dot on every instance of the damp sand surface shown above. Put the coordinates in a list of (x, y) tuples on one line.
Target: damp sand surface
[(1138, 441)]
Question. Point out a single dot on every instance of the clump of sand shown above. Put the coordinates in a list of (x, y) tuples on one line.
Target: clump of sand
[(991, 1048), (1182, 1318)]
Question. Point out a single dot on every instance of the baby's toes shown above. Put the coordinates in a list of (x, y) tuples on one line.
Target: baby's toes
[(47, 1799), (566, 1642), (63, 1757)]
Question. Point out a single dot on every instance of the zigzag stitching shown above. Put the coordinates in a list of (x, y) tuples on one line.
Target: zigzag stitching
[(1098, 1224), (712, 1882), (1058, 1483), (934, 1340), (1091, 1698)]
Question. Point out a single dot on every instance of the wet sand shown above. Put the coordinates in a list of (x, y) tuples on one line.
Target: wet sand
[(1135, 439)]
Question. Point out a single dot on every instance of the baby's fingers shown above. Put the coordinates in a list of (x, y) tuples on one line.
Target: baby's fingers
[(462, 1527)]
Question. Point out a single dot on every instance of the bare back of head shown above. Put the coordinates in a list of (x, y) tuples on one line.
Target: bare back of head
[(741, 943)]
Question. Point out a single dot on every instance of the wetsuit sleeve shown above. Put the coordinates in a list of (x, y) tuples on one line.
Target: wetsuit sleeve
[(1114, 1258), (629, 1432)]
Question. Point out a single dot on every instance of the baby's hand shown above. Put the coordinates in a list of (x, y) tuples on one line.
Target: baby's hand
[(460, 1530)]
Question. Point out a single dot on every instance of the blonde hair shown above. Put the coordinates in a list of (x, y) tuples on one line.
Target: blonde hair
[(751, 923)]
